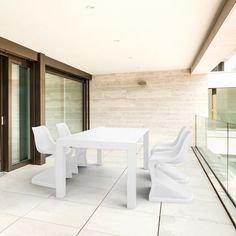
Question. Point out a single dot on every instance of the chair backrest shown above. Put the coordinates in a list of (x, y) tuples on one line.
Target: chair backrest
[(63, 129), (180, 135), (183, 146), (43, 140)]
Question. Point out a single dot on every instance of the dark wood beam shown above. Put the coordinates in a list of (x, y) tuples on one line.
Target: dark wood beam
[(50, 62), (9, 47)]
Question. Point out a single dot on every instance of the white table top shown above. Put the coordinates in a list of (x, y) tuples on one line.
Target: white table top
[(105, 135)]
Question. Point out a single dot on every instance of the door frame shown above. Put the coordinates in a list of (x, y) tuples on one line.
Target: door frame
[(7, 114), (2, 70)]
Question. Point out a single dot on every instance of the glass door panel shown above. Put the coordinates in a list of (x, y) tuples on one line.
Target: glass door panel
[(19, 97), (63, 103), (73, 105)]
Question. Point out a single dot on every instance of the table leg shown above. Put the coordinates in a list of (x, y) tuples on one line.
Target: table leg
[(60, 171), (131, 178), (146, 150), (99, 157)]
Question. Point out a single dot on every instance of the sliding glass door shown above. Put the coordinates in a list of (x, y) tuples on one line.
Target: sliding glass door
[(19, 98), (28, 100), (63, 103)]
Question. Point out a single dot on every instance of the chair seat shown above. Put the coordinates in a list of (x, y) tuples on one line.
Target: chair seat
[(161, 148)]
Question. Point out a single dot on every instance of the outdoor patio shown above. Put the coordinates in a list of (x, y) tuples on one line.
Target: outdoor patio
[(95, 203), (118, 118)]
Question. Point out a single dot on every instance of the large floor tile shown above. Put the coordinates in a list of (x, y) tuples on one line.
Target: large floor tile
[(198, 210), (199, 182), (123, 222), (6, 220), (101, 171), (118, 199), (62, 212), (178, 226), (86, 232), (28, 227), (85, 191), (143, 180), (82, 194), (204, 194), (17, 204), (91, 181), (29, 171), (24, 185)]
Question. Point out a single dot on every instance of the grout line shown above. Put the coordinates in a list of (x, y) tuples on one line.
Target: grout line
[(101, 202), (20, 217), (102, 233), (159, 220), (10, 224)]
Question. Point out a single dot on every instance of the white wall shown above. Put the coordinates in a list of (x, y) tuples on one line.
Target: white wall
[(169, 101), (222, 80)]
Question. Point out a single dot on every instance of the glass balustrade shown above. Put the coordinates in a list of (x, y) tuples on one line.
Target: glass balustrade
[(216, 141)]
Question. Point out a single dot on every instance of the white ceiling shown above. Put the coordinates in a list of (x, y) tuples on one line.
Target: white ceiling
[(153, 34)]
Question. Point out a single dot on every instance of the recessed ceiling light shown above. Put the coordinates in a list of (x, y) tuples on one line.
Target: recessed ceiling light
[(90, 7), (130, 57)]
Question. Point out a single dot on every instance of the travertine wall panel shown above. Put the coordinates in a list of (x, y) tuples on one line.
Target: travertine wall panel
[(168, 101)]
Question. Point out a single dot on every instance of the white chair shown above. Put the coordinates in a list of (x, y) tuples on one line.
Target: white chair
[(165, 177), (172, 145), (167, 159), (45, 145), (171, 155), (79, 153), (176, 154), (166, 189)]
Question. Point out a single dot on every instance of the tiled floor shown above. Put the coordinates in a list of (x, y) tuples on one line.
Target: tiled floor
[(95, 204)]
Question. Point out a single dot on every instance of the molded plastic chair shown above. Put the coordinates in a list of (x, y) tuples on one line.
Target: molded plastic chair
[(165, 177), (166, 189), (45, 145), (80, 153), (172, 145), (175, 155), (167, 159)]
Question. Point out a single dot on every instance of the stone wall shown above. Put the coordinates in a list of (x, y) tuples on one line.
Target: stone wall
[(168, 101)]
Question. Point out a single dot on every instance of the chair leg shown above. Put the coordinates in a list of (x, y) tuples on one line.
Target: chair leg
[(80, 154), (165, 189), (71, 165), (74, 166), (68, 169)]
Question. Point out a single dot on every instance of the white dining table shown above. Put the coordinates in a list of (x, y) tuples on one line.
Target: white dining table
[(104, 138)]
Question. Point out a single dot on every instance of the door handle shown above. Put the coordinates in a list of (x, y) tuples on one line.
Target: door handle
[(2, 120)]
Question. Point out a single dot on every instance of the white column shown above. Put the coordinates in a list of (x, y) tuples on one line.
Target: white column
[(99, 157), (146, 150), (60, 171), (131, 177)]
